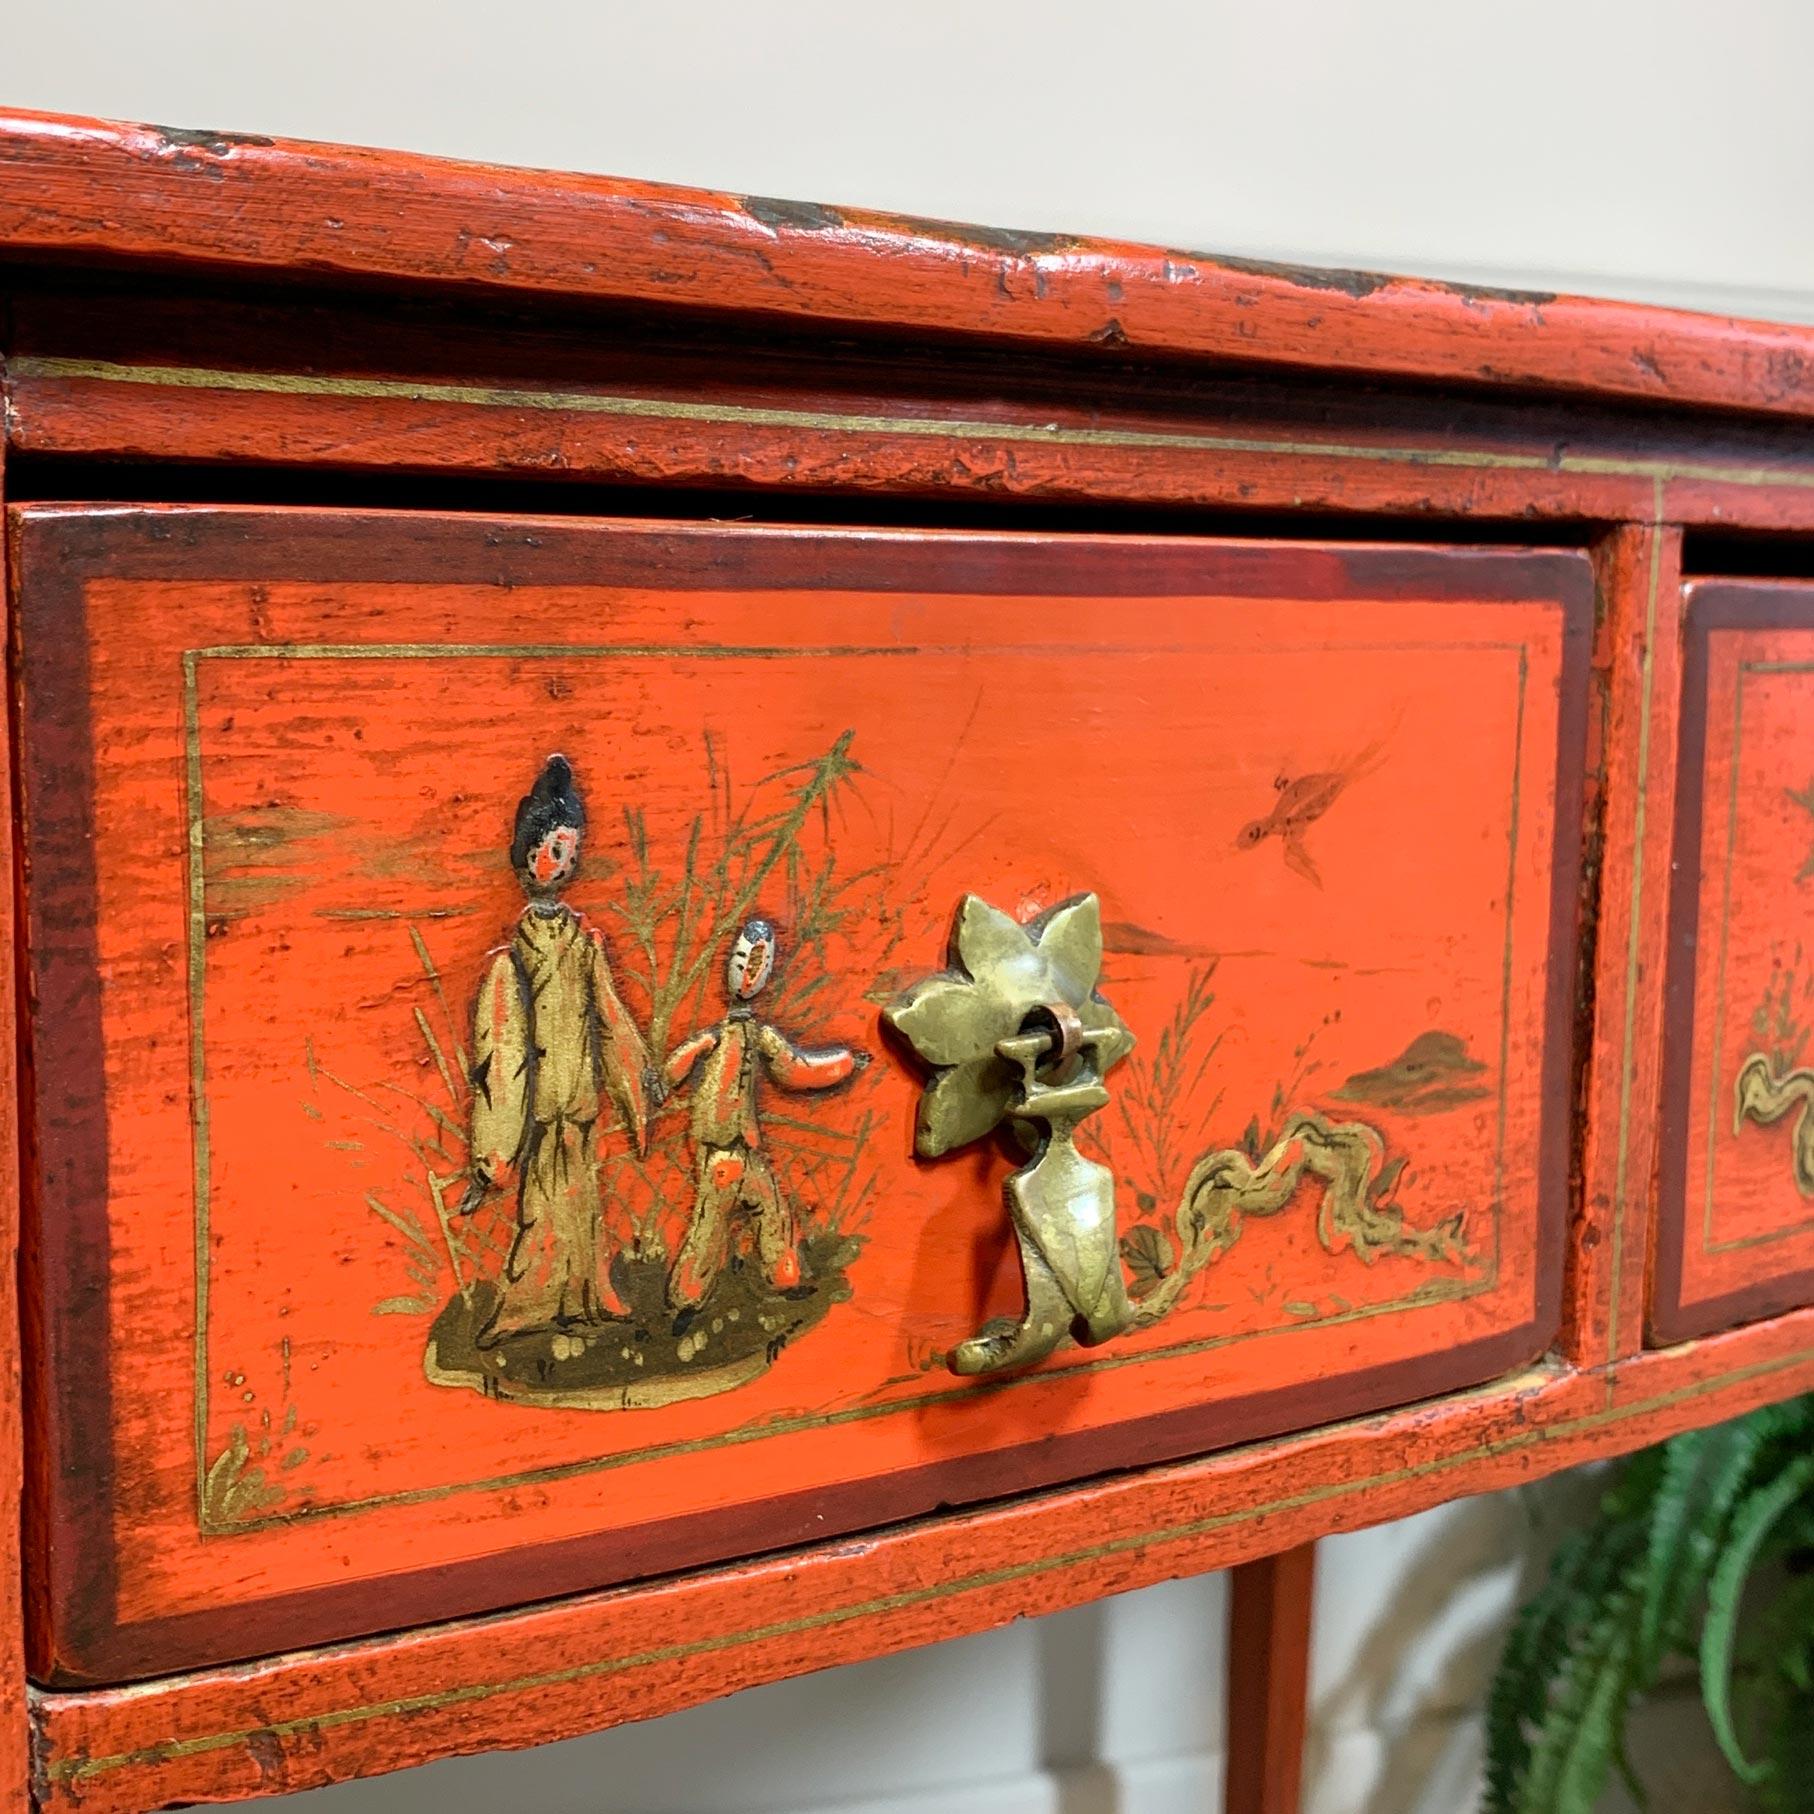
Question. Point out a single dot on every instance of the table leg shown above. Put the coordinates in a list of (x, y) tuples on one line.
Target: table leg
[(1268, 1681)]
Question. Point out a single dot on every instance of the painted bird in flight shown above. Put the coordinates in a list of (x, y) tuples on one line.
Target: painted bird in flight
[(1300, 803)]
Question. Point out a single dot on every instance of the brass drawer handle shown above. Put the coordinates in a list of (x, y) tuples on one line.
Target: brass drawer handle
[(1015, 1031)]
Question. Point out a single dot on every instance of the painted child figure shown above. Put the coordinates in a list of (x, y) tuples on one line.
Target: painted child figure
[(732, 1172), (552, 1047)]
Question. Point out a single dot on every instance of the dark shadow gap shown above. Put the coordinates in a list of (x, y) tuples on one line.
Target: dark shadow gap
[(42, 479)]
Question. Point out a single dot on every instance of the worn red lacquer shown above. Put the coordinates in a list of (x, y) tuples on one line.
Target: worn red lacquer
[(1358, 642)]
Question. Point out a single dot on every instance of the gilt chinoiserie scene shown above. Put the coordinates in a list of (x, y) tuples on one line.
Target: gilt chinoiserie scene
[(694, 1039), (566, 1319)]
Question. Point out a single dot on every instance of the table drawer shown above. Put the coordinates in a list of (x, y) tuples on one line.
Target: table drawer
[(1735, 1236), (421, 1228)]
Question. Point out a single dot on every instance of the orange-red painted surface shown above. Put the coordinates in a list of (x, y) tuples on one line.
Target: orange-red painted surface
[(452, 340), (1737, 1199), (255, 205), (634, 1653), (1631, 764), (304, 740), (1271, 1604), (721, 429)]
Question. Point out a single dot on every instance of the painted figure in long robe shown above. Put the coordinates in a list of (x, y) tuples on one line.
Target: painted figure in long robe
[(733, 1178), (553, 1052)]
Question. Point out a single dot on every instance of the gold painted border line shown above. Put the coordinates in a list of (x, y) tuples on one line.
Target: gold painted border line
[(79, 1768), (406, 651), (1719, 975), (1419, 1297), (1505, 986), (1765, 1237), (1634, 939), (600, 403), (198, 1065), (1426, 1293)]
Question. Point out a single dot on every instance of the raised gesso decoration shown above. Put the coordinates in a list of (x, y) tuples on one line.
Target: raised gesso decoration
[(564, 1090), (1016, 1032), (1018, 1036)]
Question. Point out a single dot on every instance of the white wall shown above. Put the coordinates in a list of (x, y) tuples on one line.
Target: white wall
[(1659, 149), (1652, 148)]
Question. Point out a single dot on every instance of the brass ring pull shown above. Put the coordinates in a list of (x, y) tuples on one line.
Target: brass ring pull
[(1051, 1036), (1015, 1031)]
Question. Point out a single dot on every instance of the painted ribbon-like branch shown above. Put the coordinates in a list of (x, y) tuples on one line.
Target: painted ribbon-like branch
[(1765, 1094), (1227, 1186)]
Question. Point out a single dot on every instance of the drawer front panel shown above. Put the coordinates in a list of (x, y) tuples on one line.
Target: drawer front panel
[(1736, 1198), (407, 1247)]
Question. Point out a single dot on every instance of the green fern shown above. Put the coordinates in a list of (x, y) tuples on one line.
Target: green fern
[(1662, 1573), (1546, 1635), (1751, 1527), (1574, 1749), (1535, 1648), (1777, 1658)]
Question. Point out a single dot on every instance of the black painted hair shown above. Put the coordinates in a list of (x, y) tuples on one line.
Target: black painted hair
[(554, 800)]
